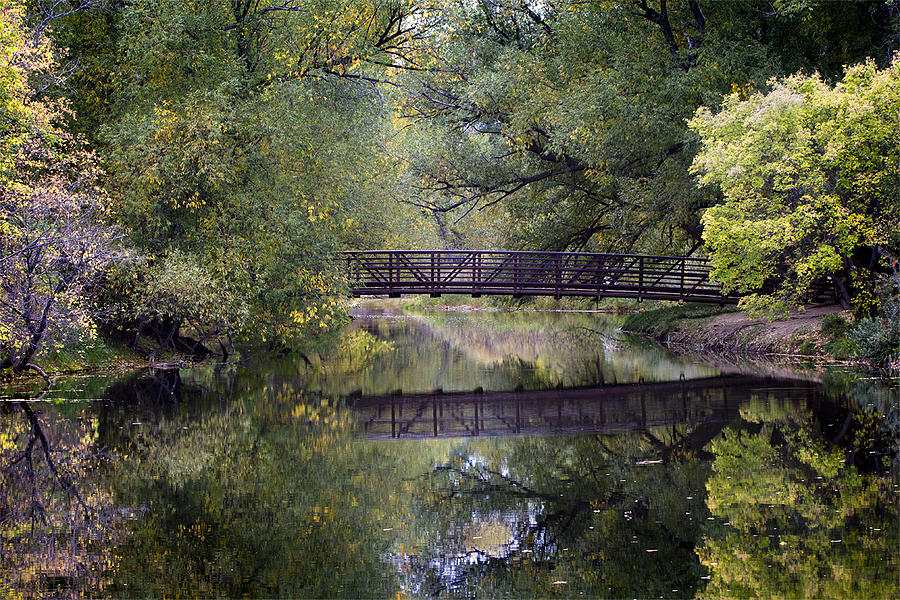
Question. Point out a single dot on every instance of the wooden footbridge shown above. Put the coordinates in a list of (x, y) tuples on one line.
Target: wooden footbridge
[(436, 272)]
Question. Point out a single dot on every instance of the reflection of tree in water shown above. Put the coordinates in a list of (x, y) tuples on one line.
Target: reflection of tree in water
[(878, 398), (249, 485), (495, 351), (808, 506), (805, 507), (592, 514), (263, 494), (55, 518)]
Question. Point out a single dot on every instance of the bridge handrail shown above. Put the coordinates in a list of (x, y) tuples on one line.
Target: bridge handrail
[(348, 253)]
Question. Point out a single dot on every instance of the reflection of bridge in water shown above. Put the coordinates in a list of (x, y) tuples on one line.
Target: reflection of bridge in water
[(599, 409)]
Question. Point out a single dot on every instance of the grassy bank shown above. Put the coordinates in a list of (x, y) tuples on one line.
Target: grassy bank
[(456, 301), (661, 320), (95, 356)]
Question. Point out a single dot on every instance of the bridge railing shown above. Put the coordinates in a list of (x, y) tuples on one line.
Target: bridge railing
[(395, 272)]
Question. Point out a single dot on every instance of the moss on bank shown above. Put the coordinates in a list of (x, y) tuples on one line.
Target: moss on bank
[(97, 355)]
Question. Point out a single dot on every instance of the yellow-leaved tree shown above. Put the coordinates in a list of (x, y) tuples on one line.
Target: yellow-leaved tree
[(53, 245), (809, 173)]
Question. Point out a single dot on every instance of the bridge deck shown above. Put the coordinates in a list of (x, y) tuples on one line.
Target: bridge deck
[(396, 272)]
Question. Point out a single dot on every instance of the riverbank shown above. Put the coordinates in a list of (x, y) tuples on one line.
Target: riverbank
[(95, 358), (725, 330), (696, 328)]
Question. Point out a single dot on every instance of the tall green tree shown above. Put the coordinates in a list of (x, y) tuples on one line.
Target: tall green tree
[(245, 143), (571, 116)]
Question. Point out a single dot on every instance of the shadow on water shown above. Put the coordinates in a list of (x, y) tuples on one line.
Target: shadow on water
[(476, 455)]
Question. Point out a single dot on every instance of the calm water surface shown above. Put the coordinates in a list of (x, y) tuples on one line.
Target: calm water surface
[(455, 454)]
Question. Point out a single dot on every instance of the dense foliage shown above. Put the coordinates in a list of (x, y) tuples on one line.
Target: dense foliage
[(563, 125), (878, 336), (239, 163), (811, 184)]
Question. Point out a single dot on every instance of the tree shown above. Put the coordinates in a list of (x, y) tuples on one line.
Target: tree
[(53, 244), (568, 118), (809, 173), (244, 147)]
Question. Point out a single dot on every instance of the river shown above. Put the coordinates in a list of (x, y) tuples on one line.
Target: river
[(456, 454)]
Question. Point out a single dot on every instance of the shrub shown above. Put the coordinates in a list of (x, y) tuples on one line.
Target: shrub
[(841, 348), (878, 337), (808, 348), (834, 326)]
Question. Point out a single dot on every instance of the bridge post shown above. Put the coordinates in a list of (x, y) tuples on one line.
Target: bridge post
[(433, 278), (350, 271), (557, 293), (600, 275), (391, 292), (516, 275), (640, 278), (437, 275), (681, 287), (476, 274)]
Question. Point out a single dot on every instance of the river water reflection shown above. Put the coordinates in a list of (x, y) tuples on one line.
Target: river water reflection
[(461, 455)]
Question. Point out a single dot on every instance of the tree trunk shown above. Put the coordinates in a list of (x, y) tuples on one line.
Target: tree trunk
[(843, 294)]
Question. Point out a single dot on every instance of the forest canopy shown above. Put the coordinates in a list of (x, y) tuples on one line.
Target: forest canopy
[(223, 151)]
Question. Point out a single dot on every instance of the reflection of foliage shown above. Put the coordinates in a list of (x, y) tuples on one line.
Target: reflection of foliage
[(241, 483), (243, 501), (497, 351), (54, 517), (800, 521), (879, 399), (580, 510), (356, 349), (567, 348)]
